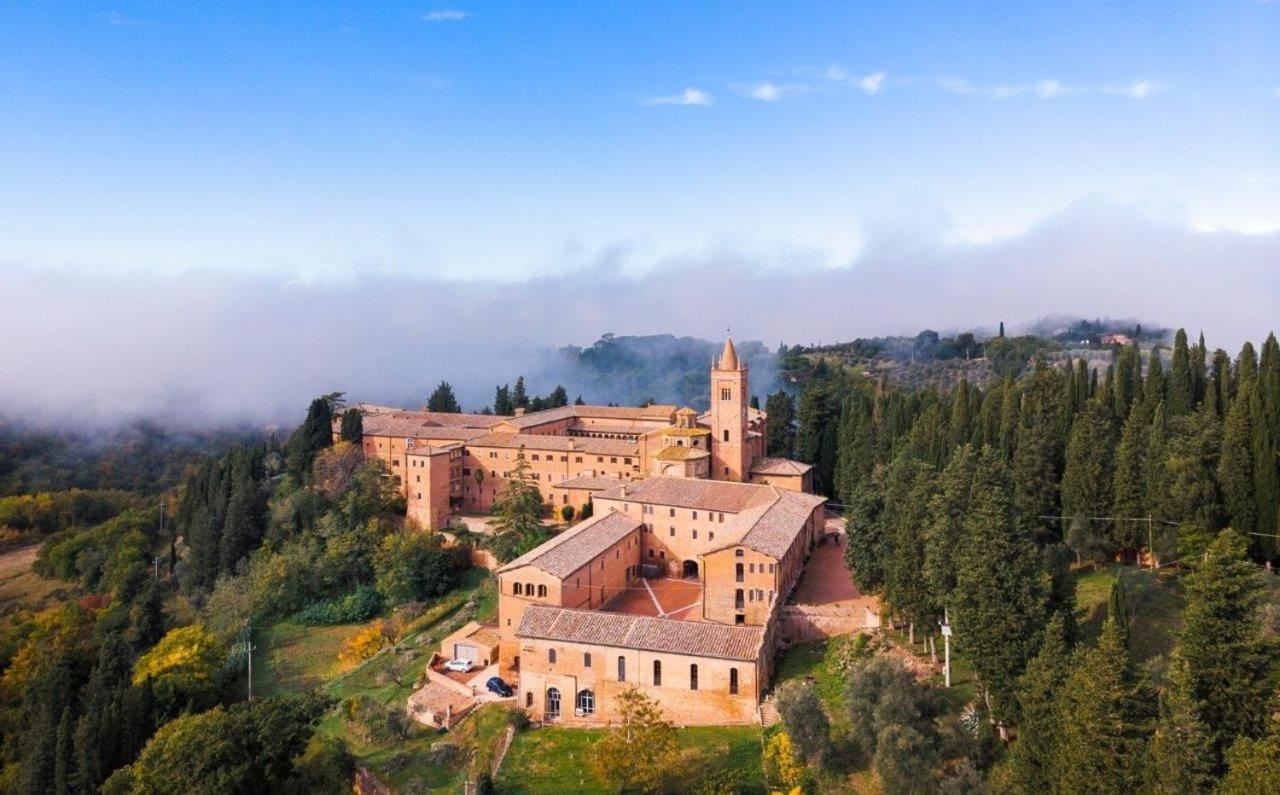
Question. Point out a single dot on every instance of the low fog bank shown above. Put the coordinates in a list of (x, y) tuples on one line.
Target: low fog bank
[(212, 348)]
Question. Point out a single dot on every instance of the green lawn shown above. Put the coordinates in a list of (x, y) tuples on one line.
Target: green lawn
[(1155, 608), (554, 760)]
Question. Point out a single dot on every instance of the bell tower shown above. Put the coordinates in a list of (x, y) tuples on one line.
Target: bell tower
[(730, 451)]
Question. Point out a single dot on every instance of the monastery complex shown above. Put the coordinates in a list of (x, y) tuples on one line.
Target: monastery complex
[(676, 582)]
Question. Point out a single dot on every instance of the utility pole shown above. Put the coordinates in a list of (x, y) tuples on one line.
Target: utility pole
[(946, 647), (1151, 543), (249, 647)]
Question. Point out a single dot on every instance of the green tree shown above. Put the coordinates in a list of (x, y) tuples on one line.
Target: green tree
[(816, 435), (780, 433), (1031, 757), (1181, 398), (443, 400), (864, 552), (1118, 610), (1001, 590), (1105, 714), (805, 720), (502, 401), (313, 435), (1129, 489), (352, 427), (413, 566), (185, 666), (1087, 482), (1037, 457), (519, 397), (1230, 660), (1253, 766), (1181, 755), (641, 751), (1235, 468), (517, 512)]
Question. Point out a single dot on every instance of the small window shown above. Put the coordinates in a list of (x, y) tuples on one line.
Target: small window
[(726, 435), (622, 669), (586, 659), (551, 656), (733, 681), (726, 394), (542, 591), (695, 535), (673, 511), (737, 573), (671, 531), (737, 553), (693, 676), (528, 700), (651, 553), (517, 589)]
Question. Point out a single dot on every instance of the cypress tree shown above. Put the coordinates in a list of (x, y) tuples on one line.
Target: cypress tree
[(519, 398), (1087, 482), (1235, 468), (1010, 411), (1127, 383), (1118, 609), (313, 435), (352, 428), (502, 401), (1000, 589), (1221, 388), (961, 415), (1199, 376), (947, 513), (1266, 432), (1130, 484), (1031, 757), (864, 553), (1153, 389), (1037, 456), (1180, 757), (1181, 390), (1230, 661), (780, 431), (64, 772), (816, 435), (443, 400), (1105, 716)]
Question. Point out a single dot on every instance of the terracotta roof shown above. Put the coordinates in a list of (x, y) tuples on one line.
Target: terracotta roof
[(486, 634), (560, 444), (772, 528), (728, 357), (686, 431), (654, 413), (577, 546), (677, 453), (437, 698), (710, 495), (647, 633), (587, 482), (779, 466), (422, 424)]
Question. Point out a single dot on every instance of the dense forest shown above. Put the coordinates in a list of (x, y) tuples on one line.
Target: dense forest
[(980, 505)]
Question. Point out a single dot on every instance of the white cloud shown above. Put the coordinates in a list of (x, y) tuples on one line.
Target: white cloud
[(445, 15), (871, 84), (690, 96), (772, 92), (1138, 89)]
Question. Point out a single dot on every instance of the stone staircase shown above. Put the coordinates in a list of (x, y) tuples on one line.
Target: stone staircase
[(768, 713)]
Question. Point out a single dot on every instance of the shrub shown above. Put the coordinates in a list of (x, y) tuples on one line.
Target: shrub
[(566, 513), (363, 644), (360, 605)]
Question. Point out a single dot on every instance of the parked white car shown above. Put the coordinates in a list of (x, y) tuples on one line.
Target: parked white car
[(459, 666)]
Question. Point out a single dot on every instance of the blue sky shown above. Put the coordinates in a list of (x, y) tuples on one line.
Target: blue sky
[(508, 140)]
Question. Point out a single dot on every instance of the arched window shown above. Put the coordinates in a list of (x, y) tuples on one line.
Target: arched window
[(733, 681), (517, 589), (693, 676), (586, 702), (657, 672), (553, 702), (542, 591), (622, 669), (551, 656)]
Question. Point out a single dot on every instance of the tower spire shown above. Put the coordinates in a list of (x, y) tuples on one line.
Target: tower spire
[(729, 357)]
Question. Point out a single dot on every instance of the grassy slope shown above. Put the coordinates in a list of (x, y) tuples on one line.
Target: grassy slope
[(554, 760)]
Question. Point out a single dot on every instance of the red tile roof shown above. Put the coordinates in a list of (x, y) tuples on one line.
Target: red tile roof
[(577, 546), (647, 633)]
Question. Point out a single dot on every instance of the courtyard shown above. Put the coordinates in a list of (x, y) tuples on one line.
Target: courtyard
[(664, 597)]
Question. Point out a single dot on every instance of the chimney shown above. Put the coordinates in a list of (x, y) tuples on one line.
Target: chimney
[(519, 411)]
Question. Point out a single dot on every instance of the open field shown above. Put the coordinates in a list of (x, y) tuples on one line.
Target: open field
[(555, 760), (22, 588)]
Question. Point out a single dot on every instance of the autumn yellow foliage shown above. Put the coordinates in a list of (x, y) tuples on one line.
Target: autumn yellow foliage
[(364, 644), (190, 653), (781, 763)]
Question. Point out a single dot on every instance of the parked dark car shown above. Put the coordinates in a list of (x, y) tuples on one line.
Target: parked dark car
[(496, 685)]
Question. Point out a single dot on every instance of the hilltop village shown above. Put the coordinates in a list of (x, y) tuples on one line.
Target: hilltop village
[(675, 583)]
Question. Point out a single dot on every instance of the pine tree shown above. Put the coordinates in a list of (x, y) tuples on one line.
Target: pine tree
[(443, 400), (1231, 663), (1181, 754), (1105, 715), (1031, 757), (559, 397), (1000, 589)]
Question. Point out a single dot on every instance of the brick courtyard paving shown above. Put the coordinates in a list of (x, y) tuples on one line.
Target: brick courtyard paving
[(826, 581), (668, 597)]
